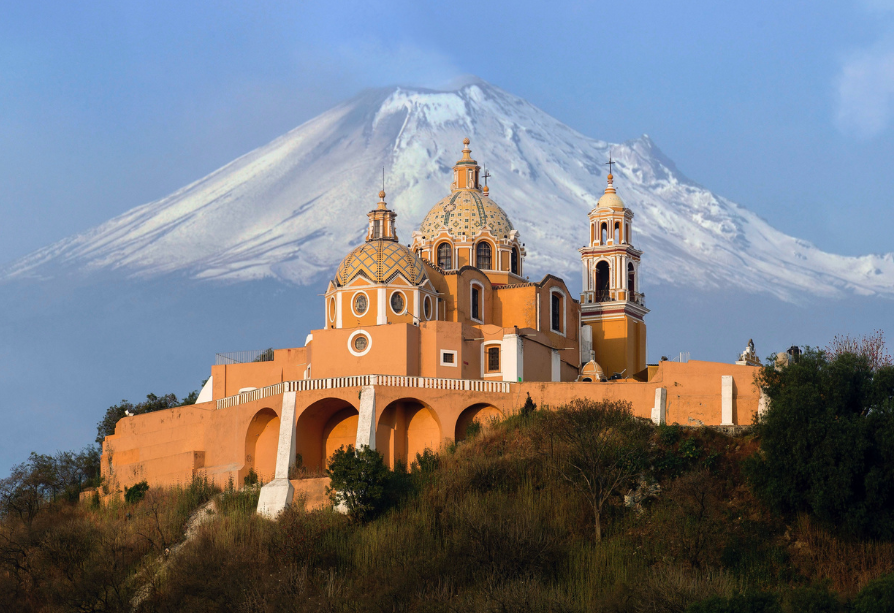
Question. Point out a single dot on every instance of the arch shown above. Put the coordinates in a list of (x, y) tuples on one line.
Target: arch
[(513, 261), (603, 281), (482, 411), (445, 256), (406, 427), (631, 277), (483, 259), (617, 236), (323, 427), (627, 233), (261, 441), (603, 234)]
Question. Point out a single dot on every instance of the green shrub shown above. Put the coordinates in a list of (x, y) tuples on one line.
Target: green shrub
[(358, 481), (753, 602), (251, 478), (827, 443), (876, 597), (473, 429), (135, 493)]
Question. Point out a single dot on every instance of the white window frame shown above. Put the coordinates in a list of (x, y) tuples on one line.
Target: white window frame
[(406, 302), (431, 308), (558, 290), (354, 298), (449, 352), (480, 286), (484, 347), (331, 308), (369, 343)]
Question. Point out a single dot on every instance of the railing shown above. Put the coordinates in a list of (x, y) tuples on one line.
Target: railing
[(305, 385), (612, 295), (243, 357)]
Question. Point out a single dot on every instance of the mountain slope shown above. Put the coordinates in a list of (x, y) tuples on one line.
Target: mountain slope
[(294, 207)]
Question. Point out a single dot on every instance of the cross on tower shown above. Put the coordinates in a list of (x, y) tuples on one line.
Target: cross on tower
[(485, 175), (610, 162)]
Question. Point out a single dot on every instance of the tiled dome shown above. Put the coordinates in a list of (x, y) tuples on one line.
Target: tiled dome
[(466, 212), (380, 261)]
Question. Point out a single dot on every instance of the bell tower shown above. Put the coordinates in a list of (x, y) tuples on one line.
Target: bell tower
[(611, 304)]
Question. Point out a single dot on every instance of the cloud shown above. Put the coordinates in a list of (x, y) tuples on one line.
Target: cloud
[(865, 92)]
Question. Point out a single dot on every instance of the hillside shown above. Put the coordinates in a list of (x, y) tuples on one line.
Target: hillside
[(488, 525), (291, 209)]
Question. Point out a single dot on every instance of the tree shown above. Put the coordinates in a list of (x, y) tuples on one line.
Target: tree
[(827, 442), (596, 447), (358, 481), (106, 426), (871, 346)]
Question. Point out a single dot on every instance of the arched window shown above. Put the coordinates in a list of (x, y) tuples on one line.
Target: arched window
[(603, 282), (513, 261), (482, 256), (556, 312), (604, 235), (617, 233), (476, 303), (631, 278), (627, 232), (445, 256)]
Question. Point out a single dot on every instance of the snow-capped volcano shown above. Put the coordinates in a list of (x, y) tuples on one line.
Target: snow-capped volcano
[(294, 207)]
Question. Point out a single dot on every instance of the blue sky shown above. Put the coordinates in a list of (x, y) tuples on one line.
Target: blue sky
[(784, 107)]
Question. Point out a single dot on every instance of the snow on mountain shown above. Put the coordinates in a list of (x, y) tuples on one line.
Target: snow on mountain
[(294, 207)]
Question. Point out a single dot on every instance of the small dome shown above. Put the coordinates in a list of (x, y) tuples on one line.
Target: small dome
[(380, 261), (466, 212), (610, 199)]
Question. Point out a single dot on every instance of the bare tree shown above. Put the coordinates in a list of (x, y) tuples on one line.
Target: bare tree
[(871, 346), (599, 448)]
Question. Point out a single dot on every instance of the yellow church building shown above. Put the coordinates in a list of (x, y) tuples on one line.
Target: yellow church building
[(420, 341)]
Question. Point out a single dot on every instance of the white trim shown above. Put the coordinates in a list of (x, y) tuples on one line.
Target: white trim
[(331, 310), (564, 305), (480, 285), (354, 298), (427, 300), (484, 347), (381, 312), (449, 352), (369, 343), (391, 306)]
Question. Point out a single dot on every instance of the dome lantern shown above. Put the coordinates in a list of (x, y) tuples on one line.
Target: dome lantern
[(381, 222)]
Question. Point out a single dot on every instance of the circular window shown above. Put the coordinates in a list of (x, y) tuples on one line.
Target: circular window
[(361, 303), (359, 343), (332, 309), (426, 307), (397, 302)]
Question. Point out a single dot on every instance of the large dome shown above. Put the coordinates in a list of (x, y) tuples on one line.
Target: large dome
[(466, 212), (380, 261)]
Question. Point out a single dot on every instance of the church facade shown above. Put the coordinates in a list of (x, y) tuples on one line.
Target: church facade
[(420, 341)]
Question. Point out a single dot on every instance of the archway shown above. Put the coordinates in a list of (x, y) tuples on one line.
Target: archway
[(602, 281), (323, 427), (481, 412), (261, 441), (631, 278), (407, 427)]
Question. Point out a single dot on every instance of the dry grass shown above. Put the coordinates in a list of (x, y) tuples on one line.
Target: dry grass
[(848, 565)]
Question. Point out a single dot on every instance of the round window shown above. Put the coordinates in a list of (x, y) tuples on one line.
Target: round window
[(360, 343), (397, 302), (360, 304), (426, 307), (332, 309)]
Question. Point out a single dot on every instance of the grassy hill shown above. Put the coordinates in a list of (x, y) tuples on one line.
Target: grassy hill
[(499, 522)]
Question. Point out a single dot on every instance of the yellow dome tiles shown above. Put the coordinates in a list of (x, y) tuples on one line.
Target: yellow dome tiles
[(380, 261), (466, 212)]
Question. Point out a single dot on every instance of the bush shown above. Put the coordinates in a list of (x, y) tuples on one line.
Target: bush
[(827, 443), (358, 481), (755, 602), (877, 597), (135, 493)]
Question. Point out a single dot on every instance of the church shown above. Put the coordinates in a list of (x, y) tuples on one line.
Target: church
[(422, 340)]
